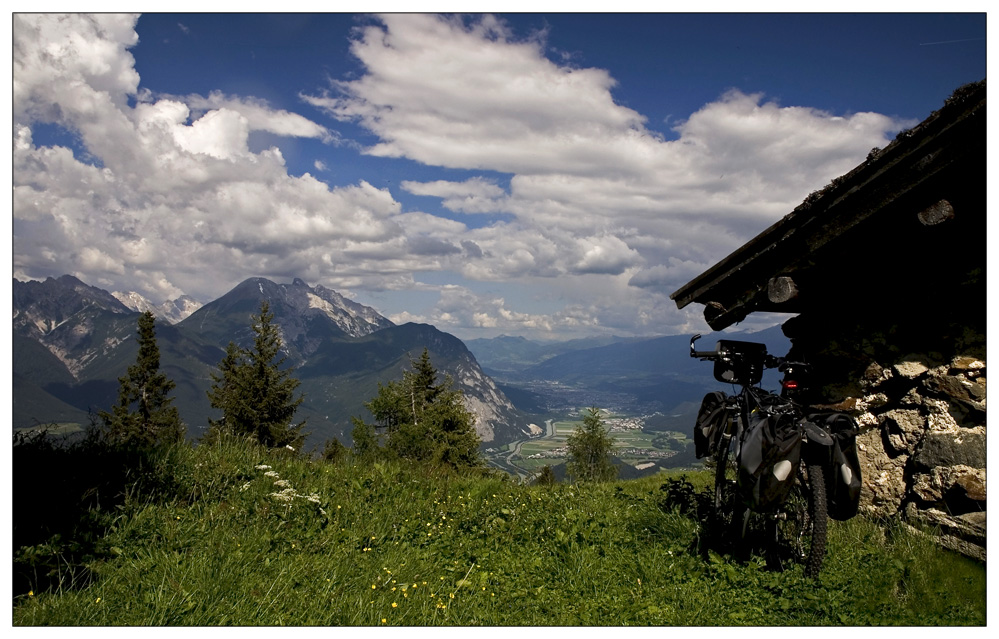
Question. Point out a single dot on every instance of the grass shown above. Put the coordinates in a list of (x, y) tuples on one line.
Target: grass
[(255, 537)]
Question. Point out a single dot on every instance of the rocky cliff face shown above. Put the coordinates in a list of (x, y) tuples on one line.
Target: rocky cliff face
[(77, 323)]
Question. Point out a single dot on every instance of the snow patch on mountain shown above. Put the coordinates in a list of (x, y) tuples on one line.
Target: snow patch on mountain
[(171, 311)]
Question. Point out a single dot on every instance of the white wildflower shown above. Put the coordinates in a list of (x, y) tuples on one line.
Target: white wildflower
[(314, 498), (244, 486), (282, 497), (282, 483), (271, 473), (262, 467), (288, 446)]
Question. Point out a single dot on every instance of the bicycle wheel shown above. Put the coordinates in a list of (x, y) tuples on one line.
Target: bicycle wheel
[(728, 514), (721, 480), (798, 530)]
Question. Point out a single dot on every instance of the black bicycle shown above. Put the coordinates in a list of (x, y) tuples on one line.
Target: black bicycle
[(771, 461)]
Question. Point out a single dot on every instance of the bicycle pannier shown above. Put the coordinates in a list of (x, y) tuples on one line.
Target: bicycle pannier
[(768, 459), (843, 478), (710, 422)]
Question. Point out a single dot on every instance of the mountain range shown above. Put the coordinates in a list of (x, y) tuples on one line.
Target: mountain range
[(654, 377), (72, 341)]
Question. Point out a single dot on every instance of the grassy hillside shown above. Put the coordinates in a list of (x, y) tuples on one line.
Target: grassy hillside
[(233, 534)]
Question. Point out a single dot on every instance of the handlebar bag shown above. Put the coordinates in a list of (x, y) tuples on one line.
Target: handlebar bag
[(768, 459), (843, 479), (710, 424)]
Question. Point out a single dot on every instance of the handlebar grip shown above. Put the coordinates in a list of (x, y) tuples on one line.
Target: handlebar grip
[(704, 354)]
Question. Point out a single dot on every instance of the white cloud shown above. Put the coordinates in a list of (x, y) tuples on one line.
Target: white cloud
[(603, 217), (592, 190), (173, 198), (260, 117), (475, 195)]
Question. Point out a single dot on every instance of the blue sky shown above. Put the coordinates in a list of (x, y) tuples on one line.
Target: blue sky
[(547, 175)]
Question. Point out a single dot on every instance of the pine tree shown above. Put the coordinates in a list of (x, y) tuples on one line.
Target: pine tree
[(144, 414), (420, 420), (545, 477), (589, 450), (257, 396), (333, 451)]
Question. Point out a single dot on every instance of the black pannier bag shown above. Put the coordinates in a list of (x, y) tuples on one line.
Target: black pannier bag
[(843, 479), (769, 454), (710, 423)]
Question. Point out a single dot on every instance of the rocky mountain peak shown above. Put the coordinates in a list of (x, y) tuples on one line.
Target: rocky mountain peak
[(307, 316), (41, 307), (171, 311)]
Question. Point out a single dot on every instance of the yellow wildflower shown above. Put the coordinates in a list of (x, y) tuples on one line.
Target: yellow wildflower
[(395, 605)]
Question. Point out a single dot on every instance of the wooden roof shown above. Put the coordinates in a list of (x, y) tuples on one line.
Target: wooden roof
[(903, 198)]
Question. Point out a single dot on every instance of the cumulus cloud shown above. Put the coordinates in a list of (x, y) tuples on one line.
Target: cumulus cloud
[(592, 190), (171, 191), (475, 195), (260, 117), (601, 216)]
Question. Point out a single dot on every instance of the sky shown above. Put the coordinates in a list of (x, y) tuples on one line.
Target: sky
[(546, 175)]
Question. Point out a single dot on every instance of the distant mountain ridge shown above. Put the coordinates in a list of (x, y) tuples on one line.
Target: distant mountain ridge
[(654, 374), (72, 341), (506, 353), (171, 311)]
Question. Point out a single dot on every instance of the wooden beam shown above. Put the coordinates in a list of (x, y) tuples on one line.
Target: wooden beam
[(936, 213), (781, 289)]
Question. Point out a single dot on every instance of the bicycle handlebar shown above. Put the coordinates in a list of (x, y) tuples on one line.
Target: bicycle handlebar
[(769, 361), (701, 354)]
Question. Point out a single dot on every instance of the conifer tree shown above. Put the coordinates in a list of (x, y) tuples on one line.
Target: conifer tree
[(144, 414), (421, 420), (256, 395), (589, 450)]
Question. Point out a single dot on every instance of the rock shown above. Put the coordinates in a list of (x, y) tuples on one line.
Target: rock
[(953, 543), (966, 448), (903, 428), (973, 484), (867, 421), (957, 387), (939, 417), (912, 398), (934, 486), (971, 529), (910, 369), (965, 364), (874, 375), (884, 483)]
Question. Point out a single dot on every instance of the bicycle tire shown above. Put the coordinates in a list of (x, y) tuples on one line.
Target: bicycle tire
[(798, 531), (721, 462), (728, 514)]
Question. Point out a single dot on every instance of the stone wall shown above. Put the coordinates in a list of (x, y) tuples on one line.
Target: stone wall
[(922, 415)]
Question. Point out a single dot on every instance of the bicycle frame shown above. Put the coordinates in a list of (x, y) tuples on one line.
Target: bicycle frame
[(742, 363)]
